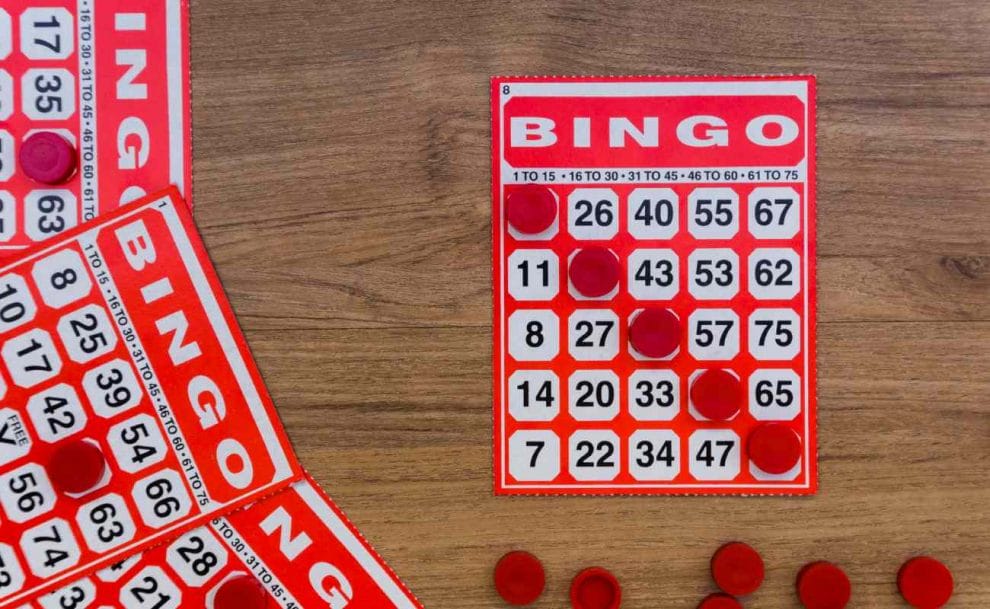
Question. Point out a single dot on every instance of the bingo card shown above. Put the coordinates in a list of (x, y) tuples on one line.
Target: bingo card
[(94, 110), (295, 549), (653, 264), (131, 408)]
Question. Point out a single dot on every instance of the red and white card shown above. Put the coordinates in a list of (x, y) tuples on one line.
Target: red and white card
[(110, 77), (116, 336), (296, 544), (653, 260)]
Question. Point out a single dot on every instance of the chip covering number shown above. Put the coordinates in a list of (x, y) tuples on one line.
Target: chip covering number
[(137, 443), (62, 278), (594, 455), (26, 493), (151, 588), (774, 395), (534, 395), (50, 548), (11, 573), (196, 557), (77, 595), (774, 334), (48, 212), (652, 213), (87, 333), (56, 413), (31, 358), (713, 213), (534, 335), (714, 454), (653, 274), (46, 33), (534, 455), (654, 395), (161, 498), (654, 455), (593, 395), (106, 523), (593, 334), (713, 334), (592, 213), (112, 388)]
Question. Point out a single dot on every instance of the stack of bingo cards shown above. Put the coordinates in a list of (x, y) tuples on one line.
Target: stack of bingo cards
[(653, 270), (142, 462)]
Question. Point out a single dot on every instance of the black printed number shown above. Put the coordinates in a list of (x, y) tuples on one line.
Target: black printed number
[(594, 214), (587, 450), (708, 452)]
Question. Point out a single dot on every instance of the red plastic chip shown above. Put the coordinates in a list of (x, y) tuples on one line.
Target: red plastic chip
[(47, 157), (241, 592), (655, 332), (774, 448), (737, 568), (925, 583), (594, 271), (595, 588), (719, 601), (519, 578), (531, 208), (76, 467), (823, 585), (717, 394)]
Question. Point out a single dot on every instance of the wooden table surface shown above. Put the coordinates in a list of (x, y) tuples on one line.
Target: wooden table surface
[(341, 178)]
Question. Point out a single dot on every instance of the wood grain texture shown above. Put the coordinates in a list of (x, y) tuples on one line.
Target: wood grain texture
[(341, 180)]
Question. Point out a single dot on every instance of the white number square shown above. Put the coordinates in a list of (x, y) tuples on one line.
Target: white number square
[(62, 278), (534, 275), (87, 333), (774, 395), (106, 523), (774, 334), (654, 455), (534, 335), (196, 557), (714, 454), (534, 455), (31, 358), (137, 443), (151, 588), (654, 395), (652, 213), (17, 307), (593, 395), (6, 34), (594, 455), (50, 548), (592, 213), (47, 33), (112, 388), (774, 274), (17, 441), (7, 164), (534, 395), (56, 413), (77, 595), (48, 212), (713, 213), (714, 274), (6, 95), (8, 212), (48, 94), (10, 570), (26, 493), (593, 335), (713, 334), (653, 274), (774, 212), (161, 498)]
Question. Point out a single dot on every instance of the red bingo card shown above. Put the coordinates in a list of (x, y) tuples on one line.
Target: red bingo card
[(94, 110), (292, 550), (131, 407), (653, 260)]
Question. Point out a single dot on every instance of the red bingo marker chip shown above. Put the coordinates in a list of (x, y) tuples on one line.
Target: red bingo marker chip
[(717, 394), (47, 157), (76, 467), (925, 583), (519, 578), (737, 568), (655, 332), (595, 588), (774, 448), (241, 592), (823, 585), (719, 601), (594, 271), (531, 208)]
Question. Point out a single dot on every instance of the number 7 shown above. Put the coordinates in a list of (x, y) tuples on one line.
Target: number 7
[(538, 444)]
